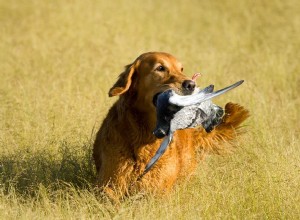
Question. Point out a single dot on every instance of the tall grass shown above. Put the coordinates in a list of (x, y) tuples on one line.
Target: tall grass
[(59, 58)]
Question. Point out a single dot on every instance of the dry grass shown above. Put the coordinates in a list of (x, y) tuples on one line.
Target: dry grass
[(59, 58)]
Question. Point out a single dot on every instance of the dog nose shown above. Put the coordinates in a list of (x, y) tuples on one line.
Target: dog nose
[(189, 85)]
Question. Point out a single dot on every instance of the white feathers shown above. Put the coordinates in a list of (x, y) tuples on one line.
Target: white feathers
[(200, 96)]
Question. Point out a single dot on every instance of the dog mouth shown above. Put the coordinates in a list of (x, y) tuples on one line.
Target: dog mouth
[(154, 100)]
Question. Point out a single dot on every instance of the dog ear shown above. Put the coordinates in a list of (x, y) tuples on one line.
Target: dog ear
[(124, 81)]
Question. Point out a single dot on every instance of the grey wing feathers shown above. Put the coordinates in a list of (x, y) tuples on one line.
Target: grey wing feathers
[(162, 148), (189, 116)]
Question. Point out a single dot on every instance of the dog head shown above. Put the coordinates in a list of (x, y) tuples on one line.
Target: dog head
[(149, 75)]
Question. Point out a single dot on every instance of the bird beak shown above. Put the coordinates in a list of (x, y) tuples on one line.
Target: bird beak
[(201, 96)]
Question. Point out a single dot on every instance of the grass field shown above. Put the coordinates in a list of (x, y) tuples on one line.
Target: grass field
[(58, 60)]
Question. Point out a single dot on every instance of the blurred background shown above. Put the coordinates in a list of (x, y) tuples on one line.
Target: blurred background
[(58, 60)]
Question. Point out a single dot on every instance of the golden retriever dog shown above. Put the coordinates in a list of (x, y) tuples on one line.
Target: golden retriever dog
[(125, 142)]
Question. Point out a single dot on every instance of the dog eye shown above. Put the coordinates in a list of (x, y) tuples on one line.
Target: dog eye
[(160, 68), (181, 69)]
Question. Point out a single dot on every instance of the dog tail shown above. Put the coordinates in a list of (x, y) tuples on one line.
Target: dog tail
[(223, 137)]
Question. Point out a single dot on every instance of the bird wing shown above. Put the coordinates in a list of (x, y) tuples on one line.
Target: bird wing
[(162, 148), (187, 117), (201, 96)]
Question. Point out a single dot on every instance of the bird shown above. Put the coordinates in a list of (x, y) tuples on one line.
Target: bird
[(176, 112)]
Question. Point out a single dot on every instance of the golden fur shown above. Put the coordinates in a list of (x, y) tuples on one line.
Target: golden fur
[(125, 143)]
